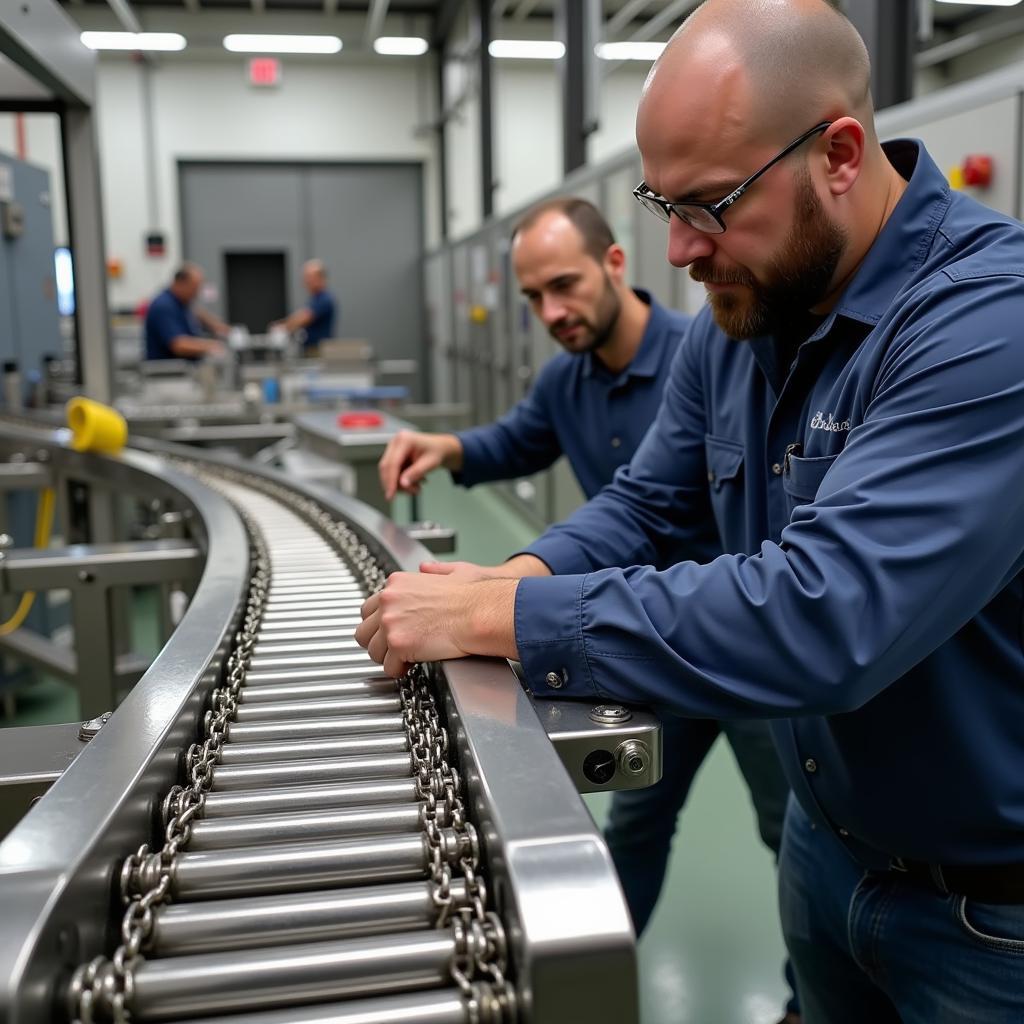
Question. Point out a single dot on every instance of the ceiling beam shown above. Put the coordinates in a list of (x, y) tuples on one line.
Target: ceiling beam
[(330, 6), (524, 10), (124, 14), (625, 14), (674, 12), (259, 6), (375, 21), (444, 19), (960, 45)]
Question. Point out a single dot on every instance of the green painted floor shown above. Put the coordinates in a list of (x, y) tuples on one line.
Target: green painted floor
[(713, 952)]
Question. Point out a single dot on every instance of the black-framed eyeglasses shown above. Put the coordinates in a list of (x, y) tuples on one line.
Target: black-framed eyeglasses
[(707, 217)]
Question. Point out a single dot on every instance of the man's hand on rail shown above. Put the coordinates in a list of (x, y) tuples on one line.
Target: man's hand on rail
[(427, 617)]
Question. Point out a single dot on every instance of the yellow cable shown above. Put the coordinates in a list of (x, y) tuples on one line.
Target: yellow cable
[(44, 525)]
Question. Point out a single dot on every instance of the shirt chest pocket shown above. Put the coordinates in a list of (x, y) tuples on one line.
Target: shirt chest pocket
[(725, 481), (802, 478)]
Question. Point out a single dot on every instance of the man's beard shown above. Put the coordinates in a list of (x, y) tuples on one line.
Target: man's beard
[(597, 332), (801, 274)]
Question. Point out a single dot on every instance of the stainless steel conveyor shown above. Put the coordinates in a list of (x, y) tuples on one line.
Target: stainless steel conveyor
[(314, 842)]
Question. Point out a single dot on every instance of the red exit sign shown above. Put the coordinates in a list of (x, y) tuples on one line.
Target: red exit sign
[(264, 71)]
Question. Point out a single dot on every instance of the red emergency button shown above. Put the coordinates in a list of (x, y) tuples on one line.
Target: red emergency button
[(978, 171)]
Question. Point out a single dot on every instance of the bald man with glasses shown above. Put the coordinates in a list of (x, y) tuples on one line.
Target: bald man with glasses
[(851, 407)]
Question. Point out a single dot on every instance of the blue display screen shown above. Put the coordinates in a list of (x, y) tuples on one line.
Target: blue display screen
[(64, 275)]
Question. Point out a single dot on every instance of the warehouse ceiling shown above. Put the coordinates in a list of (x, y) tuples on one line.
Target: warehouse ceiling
[(626, 14), (948, 30)]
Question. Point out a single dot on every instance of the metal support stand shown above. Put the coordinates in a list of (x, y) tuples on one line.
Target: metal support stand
[(91, 572)]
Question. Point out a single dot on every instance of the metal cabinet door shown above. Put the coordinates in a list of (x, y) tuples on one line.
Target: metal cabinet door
[(437, 279), (34, 321), (460, 332), (481, 323)]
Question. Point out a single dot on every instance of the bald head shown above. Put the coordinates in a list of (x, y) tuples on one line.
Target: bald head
[(771, 68), (314, 275), (188, 279)]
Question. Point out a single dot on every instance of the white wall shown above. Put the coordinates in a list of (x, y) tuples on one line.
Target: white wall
[(528, 131), (618, 97), (462, 133), (527, 107)]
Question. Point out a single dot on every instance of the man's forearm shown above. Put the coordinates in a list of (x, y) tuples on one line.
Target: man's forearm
[(186, 347), (211, 322), (492, 619)]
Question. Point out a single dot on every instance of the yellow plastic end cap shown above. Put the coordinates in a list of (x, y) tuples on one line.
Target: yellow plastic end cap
[(95, 427)]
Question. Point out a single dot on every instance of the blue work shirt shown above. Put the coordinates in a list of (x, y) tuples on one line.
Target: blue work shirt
[(166, 319), (579, 408), (871, 596), (322, 306)]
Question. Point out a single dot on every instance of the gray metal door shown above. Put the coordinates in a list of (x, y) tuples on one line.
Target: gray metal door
[(366, 224), (239, 208), (365, 221)]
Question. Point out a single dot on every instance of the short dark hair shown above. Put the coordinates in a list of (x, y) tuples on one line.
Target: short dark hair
[(184, 273), (585, 217)]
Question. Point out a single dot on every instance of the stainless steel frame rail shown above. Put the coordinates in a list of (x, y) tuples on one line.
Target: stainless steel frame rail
[(549, 873), (58, 866)]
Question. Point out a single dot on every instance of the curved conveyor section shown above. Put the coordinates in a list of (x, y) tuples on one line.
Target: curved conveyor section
[(334, 846)]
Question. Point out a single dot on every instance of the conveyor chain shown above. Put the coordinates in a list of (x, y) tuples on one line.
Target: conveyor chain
[(317, 861)]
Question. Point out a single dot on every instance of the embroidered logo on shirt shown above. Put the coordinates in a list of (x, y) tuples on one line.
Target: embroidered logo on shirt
[(829, 423)]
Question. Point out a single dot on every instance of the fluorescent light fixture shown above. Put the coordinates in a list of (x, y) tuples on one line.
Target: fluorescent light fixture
[(527, 49), (983, 3), (401, 46), (281, 44), (134, 41), (629, 51)]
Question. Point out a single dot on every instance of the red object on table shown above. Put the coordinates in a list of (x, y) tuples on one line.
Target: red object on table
[(355, 420)]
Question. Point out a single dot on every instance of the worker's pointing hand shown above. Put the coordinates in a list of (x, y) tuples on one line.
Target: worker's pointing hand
[(410, 456)]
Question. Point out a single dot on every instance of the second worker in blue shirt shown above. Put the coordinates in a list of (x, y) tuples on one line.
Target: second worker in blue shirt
[(594, 403)]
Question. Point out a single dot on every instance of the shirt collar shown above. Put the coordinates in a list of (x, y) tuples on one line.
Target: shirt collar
[(646, 362), (905, 241)]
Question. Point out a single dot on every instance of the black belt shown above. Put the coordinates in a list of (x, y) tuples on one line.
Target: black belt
[(986, 883)]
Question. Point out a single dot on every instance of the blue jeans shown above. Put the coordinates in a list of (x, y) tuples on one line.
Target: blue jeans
[(642, 822), (873, 948)]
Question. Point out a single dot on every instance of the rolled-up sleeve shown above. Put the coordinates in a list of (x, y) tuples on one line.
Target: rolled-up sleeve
[(915, 527)]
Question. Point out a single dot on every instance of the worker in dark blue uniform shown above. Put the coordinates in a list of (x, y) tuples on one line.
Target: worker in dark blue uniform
[(316, 318), (175, 328), (593, 403), (851, 408)]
